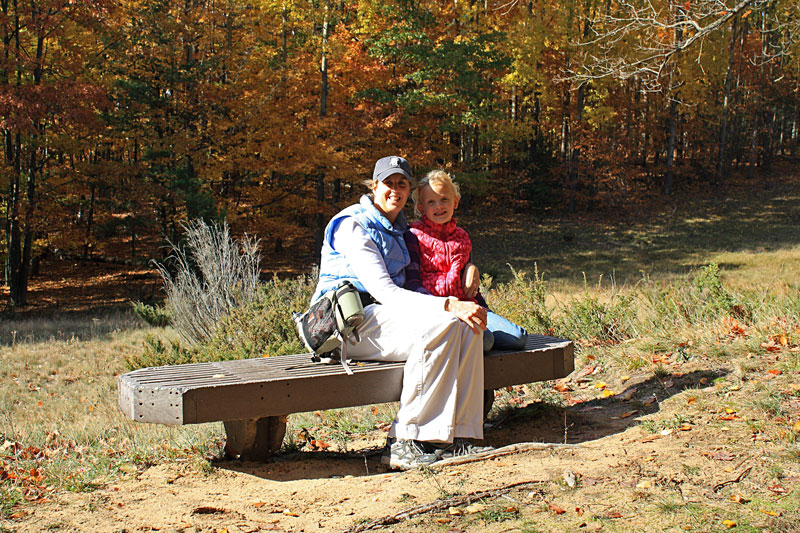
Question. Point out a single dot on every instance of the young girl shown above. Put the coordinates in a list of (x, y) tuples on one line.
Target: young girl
[(440, 257)]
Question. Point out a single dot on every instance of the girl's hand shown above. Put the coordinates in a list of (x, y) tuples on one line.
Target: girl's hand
[(469, 313), (471, 280)]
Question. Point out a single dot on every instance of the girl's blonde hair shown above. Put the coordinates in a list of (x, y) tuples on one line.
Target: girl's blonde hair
[(435, 177)]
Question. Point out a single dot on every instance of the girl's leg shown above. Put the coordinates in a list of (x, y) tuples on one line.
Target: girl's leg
[(507, 335), (442, 395)]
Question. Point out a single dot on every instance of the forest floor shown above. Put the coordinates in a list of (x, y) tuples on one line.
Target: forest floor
[(685, 438)]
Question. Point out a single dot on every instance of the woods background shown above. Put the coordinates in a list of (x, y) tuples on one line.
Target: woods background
[(122, 119)]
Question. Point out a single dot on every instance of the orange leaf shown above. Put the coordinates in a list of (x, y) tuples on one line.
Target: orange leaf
[(729, 523), (771, 513), (775, 372), (613, 514), (556, 509), (562, 387), (691, 400), (629, 413)]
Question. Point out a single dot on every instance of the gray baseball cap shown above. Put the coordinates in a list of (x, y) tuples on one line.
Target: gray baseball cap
[(394, 164)]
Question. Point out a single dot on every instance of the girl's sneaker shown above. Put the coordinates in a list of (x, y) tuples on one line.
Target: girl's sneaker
[(460, 448)]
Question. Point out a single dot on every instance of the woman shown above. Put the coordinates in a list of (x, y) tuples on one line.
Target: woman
[(440, 339)]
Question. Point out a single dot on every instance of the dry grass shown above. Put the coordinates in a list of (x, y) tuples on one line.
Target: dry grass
[(698, 387)]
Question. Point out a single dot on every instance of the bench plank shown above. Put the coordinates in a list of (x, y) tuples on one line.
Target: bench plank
[(252, 389)]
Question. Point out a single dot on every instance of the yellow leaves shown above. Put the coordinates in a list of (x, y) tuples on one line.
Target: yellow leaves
[(607, 393), (729, 523), (796, 427)]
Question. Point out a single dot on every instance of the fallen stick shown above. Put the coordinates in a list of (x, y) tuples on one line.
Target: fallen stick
[(730, 481), (439, 505), (500, 452)]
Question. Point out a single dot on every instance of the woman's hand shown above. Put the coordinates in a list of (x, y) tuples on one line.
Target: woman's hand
[(470, 313), (471, 280)]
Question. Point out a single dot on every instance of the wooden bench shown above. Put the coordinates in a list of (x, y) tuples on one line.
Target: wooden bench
[(253, 397)]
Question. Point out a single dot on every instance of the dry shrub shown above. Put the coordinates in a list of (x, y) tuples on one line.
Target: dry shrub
[(207, 277)]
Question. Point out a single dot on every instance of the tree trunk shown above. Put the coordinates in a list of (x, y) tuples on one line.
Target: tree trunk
[(722, 164)]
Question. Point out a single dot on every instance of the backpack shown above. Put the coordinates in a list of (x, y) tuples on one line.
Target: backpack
[(330, 323)]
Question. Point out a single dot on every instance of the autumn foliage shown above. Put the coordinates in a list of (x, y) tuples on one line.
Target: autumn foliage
[(123, 119)]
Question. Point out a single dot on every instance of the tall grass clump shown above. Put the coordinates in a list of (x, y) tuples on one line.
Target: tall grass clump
[(207, 277), (695, 301), (592, 318), (522, 300)]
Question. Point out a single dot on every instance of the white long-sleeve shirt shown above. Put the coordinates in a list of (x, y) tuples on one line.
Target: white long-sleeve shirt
[(351, 240)]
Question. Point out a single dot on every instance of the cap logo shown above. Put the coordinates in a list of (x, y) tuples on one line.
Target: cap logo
[(395, 162)]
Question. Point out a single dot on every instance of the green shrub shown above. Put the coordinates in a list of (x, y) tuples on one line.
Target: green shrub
[(158, 353), (155, 315), (522, 300), (264, 325), (587, 317)]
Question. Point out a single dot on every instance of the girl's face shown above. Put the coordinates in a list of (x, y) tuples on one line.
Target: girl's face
[(390, 195), (437, 203)]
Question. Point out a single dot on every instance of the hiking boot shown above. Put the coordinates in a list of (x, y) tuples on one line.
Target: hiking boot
[(460, 448), (405, 454)]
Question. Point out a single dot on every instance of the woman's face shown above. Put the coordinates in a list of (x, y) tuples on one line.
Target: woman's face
[(390, 195)]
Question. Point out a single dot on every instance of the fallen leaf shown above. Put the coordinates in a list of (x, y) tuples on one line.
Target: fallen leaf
[(289, 512), (455, 511), (796, 427), (579, 511), (703, 381), (771, 513), (685, 427), (606, 393), (475, 508), (613, 514), (729, 410), (625, 378), (259, 505), (775, 372), (738, 498), (729, 523), (555, 508), (691, 399), (600, 385), (644, 484), (630, 413), (511, 509), (562, 387), (443, 520), (649, 401), (729, 417)]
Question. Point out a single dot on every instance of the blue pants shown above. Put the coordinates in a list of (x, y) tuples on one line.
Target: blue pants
[(502, 334)]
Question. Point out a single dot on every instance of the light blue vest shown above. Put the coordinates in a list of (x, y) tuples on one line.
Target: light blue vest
[(334, 268)]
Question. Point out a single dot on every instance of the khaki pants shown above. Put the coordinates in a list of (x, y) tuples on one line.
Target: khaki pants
[(442, 396)]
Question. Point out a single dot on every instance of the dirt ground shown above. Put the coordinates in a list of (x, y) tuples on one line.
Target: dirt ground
[(663, 453)]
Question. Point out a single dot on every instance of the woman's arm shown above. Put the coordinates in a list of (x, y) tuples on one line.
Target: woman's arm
[(368, 265)]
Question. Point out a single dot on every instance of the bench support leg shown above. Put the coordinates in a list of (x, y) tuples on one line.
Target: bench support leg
[(255, 439)]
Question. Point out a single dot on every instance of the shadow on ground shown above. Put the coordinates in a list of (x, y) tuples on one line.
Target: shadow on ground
[(582, 422)]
